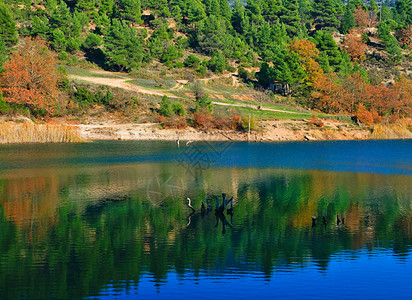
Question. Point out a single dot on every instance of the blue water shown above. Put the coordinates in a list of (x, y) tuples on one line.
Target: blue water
[(371, 156), (110, 220)]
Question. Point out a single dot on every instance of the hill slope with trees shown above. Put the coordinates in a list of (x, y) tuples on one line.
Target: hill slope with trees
[(352, 59)]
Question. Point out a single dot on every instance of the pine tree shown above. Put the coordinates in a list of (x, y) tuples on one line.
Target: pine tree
[(3, 54), (238, 17), (225, 9), (326, 14), (132, 10), (373, 6), (403, 12), (330, 55), (348, 21), (7, 25), (123, 47), (271, 10), (290, 17)]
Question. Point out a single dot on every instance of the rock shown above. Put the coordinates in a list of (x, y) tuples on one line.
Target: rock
[(309, 138)]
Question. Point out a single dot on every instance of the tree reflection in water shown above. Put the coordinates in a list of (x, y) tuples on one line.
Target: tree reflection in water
[(67, 234)]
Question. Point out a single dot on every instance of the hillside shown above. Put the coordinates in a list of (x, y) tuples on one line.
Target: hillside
[(207, 64)]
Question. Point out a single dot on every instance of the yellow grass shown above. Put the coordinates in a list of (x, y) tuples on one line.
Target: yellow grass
[(38, 133), (402, 129)]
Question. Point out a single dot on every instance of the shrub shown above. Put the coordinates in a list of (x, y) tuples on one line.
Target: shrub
[(222, 122), (178, 109), (166, 107), (202, 120), (202, 70), (236, 122), (367, 117), (243, 74), (218, 63), (92, 41), (174, 122), (245, 122), (315, 121), (84, 95), (4, 106), (192, 61)]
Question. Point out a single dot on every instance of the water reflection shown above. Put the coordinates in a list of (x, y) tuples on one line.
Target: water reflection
[(85, 231)]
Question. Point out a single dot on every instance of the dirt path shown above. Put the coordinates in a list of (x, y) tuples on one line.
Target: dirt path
[(120, 83)]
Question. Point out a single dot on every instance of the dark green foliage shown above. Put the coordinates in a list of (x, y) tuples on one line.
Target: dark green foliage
[(243, 74), (348, 21), (84, 95), (166, 107), (326, 14), (131, 10), (271, 10), (3, 54), (178, 109), (212, 35), (58, 40), (92, 41), (403, 12), (391, 44), (192, 61), (291, 17), (265, 76), (124, 49), (170, 54), (238, 17), (203, 102), (7, 25), (287, 68), (330, 55), (218, 63), (40, 27)]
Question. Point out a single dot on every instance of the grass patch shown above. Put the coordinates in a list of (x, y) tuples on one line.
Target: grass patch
[(160, 84), (38, 133), (92, 73), (392, 131)]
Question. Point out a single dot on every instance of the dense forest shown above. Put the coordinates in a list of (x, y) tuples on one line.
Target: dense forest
[(352, 58)]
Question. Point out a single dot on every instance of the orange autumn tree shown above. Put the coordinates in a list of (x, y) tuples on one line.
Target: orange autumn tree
[(328, 94), (31, 76), (354, 45), (308, 54)]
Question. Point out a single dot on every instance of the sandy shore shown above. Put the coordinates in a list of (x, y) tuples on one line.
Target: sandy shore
[(281, 130)]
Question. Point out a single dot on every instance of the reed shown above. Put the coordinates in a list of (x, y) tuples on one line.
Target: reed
[(402, 129), (38, 133)]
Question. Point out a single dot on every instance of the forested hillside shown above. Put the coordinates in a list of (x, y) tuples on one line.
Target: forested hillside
[(340, 58)]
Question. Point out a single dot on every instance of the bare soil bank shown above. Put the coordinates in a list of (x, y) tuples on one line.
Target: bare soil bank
[(281, 130)]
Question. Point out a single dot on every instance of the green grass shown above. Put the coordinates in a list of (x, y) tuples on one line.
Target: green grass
[(162, 84), (89, 73), (260, 114)]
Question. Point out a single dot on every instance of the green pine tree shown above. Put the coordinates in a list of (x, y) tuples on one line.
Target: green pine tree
[(290, 17), (124, 49), (8, 31), (326, 14)]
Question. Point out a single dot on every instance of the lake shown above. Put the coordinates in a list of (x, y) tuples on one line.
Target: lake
[(110, 220)]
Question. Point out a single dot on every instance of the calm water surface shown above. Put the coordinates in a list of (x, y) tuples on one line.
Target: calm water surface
[(109, 220)]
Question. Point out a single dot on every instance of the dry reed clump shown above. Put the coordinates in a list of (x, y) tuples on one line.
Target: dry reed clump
[(38, 133), (402, 129)]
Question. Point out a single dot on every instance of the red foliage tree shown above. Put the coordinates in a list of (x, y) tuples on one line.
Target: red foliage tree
[(405, 36), (363, 18), (354, 45), (328, 96), (308, 54), (31, 76)]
